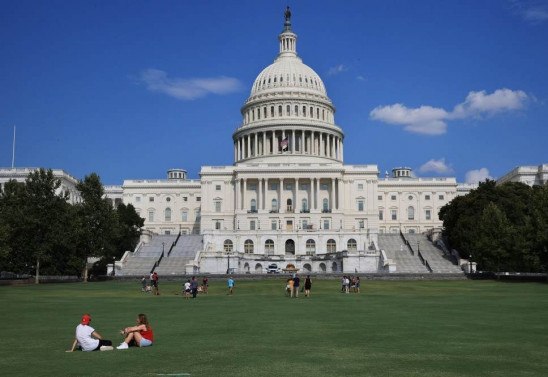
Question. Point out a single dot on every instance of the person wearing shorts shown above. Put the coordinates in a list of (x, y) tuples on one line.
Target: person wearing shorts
[(88, 339), (140, 335)]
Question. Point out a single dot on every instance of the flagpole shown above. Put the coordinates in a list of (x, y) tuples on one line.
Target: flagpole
[(13, 154)]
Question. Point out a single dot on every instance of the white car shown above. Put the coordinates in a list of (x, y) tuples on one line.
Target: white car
[(272, 269)]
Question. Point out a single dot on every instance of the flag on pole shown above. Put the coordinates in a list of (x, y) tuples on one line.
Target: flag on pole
[(284, 144)]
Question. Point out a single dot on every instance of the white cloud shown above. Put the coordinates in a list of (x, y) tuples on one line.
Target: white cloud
[(532, 11), (436, 166), (476, 176), (188, 89), (424, 120), (337, 69), (478, 103), (360, 78), (430, 120)]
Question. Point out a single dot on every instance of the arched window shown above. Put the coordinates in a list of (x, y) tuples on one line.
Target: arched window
[(311, 112), (304, 111), (228, 246), (269, 247), (151, 215), (248, 247), (410, 213), (325, 204), (274, 205), (304, 205), (253, 205), (351, 245), (184, 215), (272, 111), (310, 247), (280, 110), (296, 110), (167, 214), (288, 110), (289, 205), (331, 246)]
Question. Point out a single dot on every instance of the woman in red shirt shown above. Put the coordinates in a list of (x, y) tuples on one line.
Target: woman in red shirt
[(140, 335)]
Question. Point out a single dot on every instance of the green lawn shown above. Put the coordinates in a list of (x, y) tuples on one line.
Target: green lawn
[(401, 328)]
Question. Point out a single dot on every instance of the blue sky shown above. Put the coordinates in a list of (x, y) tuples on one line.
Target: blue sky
[(129, 89)]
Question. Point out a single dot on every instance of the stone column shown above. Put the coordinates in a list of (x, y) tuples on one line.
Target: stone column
[(256, 144), (248, 137), (244, 200), (280, 206), (332, 196), (293, 146), (317, 193), (296, 204), (238, 194), (263, 151), (259, 193)]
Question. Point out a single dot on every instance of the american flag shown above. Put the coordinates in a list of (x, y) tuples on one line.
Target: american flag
[(284, 144)]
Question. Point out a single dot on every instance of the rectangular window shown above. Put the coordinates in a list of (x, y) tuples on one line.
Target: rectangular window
[(379, 197), (326, 224), (217, 206), (185, 198), (151, 199), (361, 224), (304, 187), (305, 224), (217, 187), (289, 187), (426, 197), (394, 214), (273, 186), (252, 225), (184, 216), (360, 186), (381, 214), (138, 199), (151, 216), (217, 225), (393, 197), (323, 186), (198, 198), (428, 214), (273, 225), (441, 197), (360, 205)]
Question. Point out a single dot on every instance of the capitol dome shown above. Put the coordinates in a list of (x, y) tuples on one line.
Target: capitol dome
[(288, 113), (288, 72)]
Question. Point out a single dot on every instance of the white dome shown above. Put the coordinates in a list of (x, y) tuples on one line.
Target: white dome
[(288, 72)]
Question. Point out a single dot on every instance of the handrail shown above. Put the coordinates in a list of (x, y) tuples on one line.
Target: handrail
[(425, 262)]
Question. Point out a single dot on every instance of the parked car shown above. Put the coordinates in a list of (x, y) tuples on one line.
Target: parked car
[(272, 269)]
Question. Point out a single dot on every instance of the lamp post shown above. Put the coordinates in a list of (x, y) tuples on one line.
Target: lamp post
[(113, 266), (470, 263)]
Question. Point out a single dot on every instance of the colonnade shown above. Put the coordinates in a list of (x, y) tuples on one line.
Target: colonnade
[(266, 143), (312, 195)]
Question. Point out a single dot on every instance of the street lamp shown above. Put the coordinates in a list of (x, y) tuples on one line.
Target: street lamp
[(470, 263)]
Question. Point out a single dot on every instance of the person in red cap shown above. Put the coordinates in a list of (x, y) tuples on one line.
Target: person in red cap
[(88, 338)]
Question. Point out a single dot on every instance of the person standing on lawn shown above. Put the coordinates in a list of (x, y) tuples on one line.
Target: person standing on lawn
[(230, 283)]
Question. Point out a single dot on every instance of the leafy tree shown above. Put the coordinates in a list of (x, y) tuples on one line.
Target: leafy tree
[(129, 228), (504, 227), (96, 222)]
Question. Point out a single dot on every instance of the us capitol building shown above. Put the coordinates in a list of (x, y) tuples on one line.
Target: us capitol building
[(288, 198)]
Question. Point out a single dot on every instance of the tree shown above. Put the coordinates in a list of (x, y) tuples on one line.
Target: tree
[(129, 228), (95, 222)]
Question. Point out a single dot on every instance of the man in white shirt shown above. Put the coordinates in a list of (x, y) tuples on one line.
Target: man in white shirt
[(88, 338)]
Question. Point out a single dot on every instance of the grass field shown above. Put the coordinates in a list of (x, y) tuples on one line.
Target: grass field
[(392, 328)]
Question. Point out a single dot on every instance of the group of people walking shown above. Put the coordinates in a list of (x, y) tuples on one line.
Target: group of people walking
[(294, 284), (350, 284), (88, 339)]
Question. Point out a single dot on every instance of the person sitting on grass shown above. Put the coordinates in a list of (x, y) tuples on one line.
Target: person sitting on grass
[(139, 336), (88, 339)]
